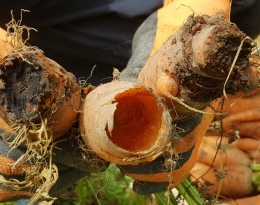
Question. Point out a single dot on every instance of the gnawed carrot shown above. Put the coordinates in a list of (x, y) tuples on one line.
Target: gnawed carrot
[(39, 101), (123, 123), (187, 59)]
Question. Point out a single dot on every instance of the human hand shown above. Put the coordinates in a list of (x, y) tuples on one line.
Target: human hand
[(148, 59)]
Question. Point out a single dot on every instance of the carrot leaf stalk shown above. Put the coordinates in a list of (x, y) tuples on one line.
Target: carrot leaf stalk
[(256, 180), (255, 167), (190, 193), (220, 183)]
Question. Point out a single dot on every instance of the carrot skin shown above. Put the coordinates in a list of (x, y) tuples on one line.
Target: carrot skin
[(229, 156), (246, 129), (236, 184), (244, 144)]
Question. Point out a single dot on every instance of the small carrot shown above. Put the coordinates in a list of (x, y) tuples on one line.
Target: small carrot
[(252, 200), (240, 105), (200, 166), (244, 116), (237, 182), (247, 129), (227, 154), (244, 144)]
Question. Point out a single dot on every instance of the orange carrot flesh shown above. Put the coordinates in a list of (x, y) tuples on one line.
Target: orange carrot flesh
[(247, 144), (199, 166), (123, 123), (133, 128)]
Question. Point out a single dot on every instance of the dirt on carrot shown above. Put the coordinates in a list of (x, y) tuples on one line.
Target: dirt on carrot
[(39, 101), (236, 180), (198, 58)]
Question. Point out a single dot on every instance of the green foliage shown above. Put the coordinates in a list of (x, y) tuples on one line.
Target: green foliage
[(113, 188), (107, 188)]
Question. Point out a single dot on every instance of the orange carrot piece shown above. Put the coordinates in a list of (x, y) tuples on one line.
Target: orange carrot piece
[(246, 129), (236, 184), (244, 116), (241, 104), (244, 144), (228, 155)]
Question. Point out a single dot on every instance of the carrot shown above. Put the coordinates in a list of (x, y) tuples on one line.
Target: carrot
[(254, 161), (35, 89), (5, 47), (39, 101), (254, 154), (186, 60), (236, 184), (227, 154), (242, 104), (252, 200), (199, 166), (247, 129), (123, 123), (247, 115), (244, 144), (246, 122)]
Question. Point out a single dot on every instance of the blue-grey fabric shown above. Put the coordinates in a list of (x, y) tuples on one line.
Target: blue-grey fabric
[(142, 47)]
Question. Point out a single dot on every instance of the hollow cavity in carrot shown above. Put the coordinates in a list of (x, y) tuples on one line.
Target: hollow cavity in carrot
[(124, 123)]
